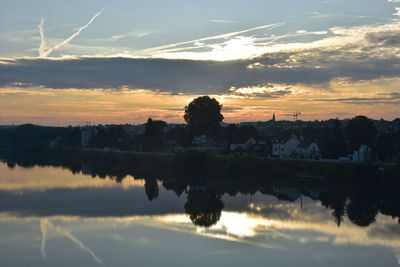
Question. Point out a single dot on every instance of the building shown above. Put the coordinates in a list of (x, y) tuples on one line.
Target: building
[(308, 150), (247, 145), (285, 147), (363, 154)]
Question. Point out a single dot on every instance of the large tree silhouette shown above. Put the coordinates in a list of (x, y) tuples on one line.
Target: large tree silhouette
[(360, 131), (203, 115)]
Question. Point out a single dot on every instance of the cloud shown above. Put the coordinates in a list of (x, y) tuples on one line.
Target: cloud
[(166, 75), (266, 90), (222, 21), (42, 47), (214, 37), (392, 98), (397, 13), (74, 239), (69, 39), (354, 54)]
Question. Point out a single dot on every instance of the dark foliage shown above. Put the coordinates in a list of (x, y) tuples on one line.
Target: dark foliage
[(203, 115), (360, 131)]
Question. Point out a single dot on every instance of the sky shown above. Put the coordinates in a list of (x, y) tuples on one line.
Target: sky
[(111, 62)]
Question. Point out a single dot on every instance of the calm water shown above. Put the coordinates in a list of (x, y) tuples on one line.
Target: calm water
[(52, 217)]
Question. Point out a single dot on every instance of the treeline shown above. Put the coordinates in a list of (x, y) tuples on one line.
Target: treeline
[(29, 137), (338, 138)]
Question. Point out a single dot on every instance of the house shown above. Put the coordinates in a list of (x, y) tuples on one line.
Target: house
[(201, 141), (207, 144), (363, 154), (248, 144), (284, 147), (308, 150)]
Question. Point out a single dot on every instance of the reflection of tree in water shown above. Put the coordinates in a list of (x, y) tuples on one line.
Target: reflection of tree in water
[(362, 208), (175, 186), (204, 208), (337, 202), (11, 164), (151, 188), (389, 204), (360, 198), (338, 214)]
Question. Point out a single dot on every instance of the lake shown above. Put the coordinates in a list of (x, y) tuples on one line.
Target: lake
[(53, 216)]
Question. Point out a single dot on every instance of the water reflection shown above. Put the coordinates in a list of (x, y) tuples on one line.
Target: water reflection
[(203, 207), (26, 191), (270, 216), (46, 225)]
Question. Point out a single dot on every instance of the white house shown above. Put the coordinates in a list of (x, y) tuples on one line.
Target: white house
[(363, 154), (308, 150), (251, 142), (200, 140), (284, 147)]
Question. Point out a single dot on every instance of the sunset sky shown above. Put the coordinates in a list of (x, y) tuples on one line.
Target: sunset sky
[(69, 62)]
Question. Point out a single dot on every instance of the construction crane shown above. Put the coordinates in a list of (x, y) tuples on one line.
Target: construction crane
[(294, 115)]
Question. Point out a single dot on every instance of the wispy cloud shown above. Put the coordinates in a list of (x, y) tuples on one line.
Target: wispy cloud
[(42, 47), (247, 63), (222, 21), (397, 13), (69, 39), (214, 37)]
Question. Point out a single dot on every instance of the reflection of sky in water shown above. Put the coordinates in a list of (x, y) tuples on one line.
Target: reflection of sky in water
[(44, 178), (262, 230)]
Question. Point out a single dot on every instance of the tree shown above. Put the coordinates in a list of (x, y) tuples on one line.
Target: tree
[(203, 115), (360, 131), (333, 144), (385, 147), (154, 134), (239, 134)]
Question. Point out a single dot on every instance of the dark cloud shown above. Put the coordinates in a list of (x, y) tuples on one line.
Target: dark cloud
[(387, 38), (374, 58), (174, 76), (88, 202), (386, 98)]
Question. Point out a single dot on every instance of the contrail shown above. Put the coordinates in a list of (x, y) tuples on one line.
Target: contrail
[(42, 47), (66, 41), (220, 36)]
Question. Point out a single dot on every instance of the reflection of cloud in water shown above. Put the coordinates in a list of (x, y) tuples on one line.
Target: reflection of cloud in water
[(245, 228), (43, 230), (265, 229), (234, 226), (46, 224)]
